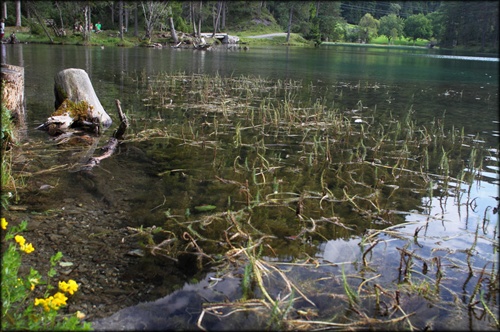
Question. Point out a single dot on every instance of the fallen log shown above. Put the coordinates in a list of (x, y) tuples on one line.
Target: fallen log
[(112, 144), (108, 149)]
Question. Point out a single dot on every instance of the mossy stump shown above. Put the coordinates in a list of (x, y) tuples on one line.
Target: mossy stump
[(74, 85)]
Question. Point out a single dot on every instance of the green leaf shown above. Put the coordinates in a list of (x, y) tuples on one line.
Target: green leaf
[(205, 208)]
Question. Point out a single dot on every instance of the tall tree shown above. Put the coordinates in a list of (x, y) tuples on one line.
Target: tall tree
[(290, 19), (391, 26), (173, 33), (112, 9), (466, 23), (284, 13), (126, 13), (60, 13), (200, 18), (418, 26), (192, 17), (120, 18), (223, 15), (18, 13), (32, 7), (217, 12), (136, 20), (86, 15), (154, 12), (330, 20), (368, 28), (314, 33)]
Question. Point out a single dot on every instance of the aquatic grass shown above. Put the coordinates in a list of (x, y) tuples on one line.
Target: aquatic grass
[(291, 174), (351, 294)]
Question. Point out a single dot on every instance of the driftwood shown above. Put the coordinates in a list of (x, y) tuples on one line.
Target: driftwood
[(112, 144), (123, 122)]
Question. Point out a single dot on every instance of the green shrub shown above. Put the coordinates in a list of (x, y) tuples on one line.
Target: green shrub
[(35, 27)]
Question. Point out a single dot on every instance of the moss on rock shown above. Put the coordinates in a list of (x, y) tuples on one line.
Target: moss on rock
[(80, 111)]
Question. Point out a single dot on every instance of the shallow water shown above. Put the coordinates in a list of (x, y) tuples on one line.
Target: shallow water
[(196, 165)]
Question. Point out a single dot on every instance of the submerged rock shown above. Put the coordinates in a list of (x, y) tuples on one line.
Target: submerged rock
[(177, 311), (213, 304)]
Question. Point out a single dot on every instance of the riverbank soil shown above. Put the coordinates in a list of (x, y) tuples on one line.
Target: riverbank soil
[(101, 253)]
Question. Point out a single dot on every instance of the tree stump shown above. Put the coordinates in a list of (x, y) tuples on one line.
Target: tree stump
[(13, 93), (74, 84)]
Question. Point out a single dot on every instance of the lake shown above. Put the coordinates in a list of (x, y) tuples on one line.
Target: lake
[(345, 165)]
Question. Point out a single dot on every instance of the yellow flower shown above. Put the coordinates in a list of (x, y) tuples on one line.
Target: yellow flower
[(28, 248), (52, 302), (71, 286), (58, 300), (4, 223), (44, 303), (20, 239)]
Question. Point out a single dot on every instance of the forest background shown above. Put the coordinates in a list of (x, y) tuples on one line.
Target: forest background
[(464, 25)]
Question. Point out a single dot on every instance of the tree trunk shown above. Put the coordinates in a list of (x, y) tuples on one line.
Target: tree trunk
[(289, 24), (18, 13), (42, 23), (136, 20), (13, 93), (193, 18), (172, 29), (86, 33), (148, 10), (126, 19), (217, 17), (223, 17), (60, 14), (4, 11), (120, 10), (112, 14), (199, 20)]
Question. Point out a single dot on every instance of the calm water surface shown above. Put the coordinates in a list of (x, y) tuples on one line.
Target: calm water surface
[(428, 81), (393, 81)]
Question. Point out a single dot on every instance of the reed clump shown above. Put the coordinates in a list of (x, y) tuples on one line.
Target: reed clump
[(299, 170)]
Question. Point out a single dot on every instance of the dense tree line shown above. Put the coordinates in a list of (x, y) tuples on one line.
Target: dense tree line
[(447, 23)]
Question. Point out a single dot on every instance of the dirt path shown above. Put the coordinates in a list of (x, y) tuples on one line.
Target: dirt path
[(269, 35)]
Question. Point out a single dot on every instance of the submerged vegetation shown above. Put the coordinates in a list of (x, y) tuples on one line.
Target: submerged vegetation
[(256, 178), (276, 172)]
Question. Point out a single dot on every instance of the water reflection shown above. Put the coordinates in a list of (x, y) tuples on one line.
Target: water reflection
[(4, 54), (457, 57)]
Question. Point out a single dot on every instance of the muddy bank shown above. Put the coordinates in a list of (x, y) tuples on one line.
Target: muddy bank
[(87, 218)]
